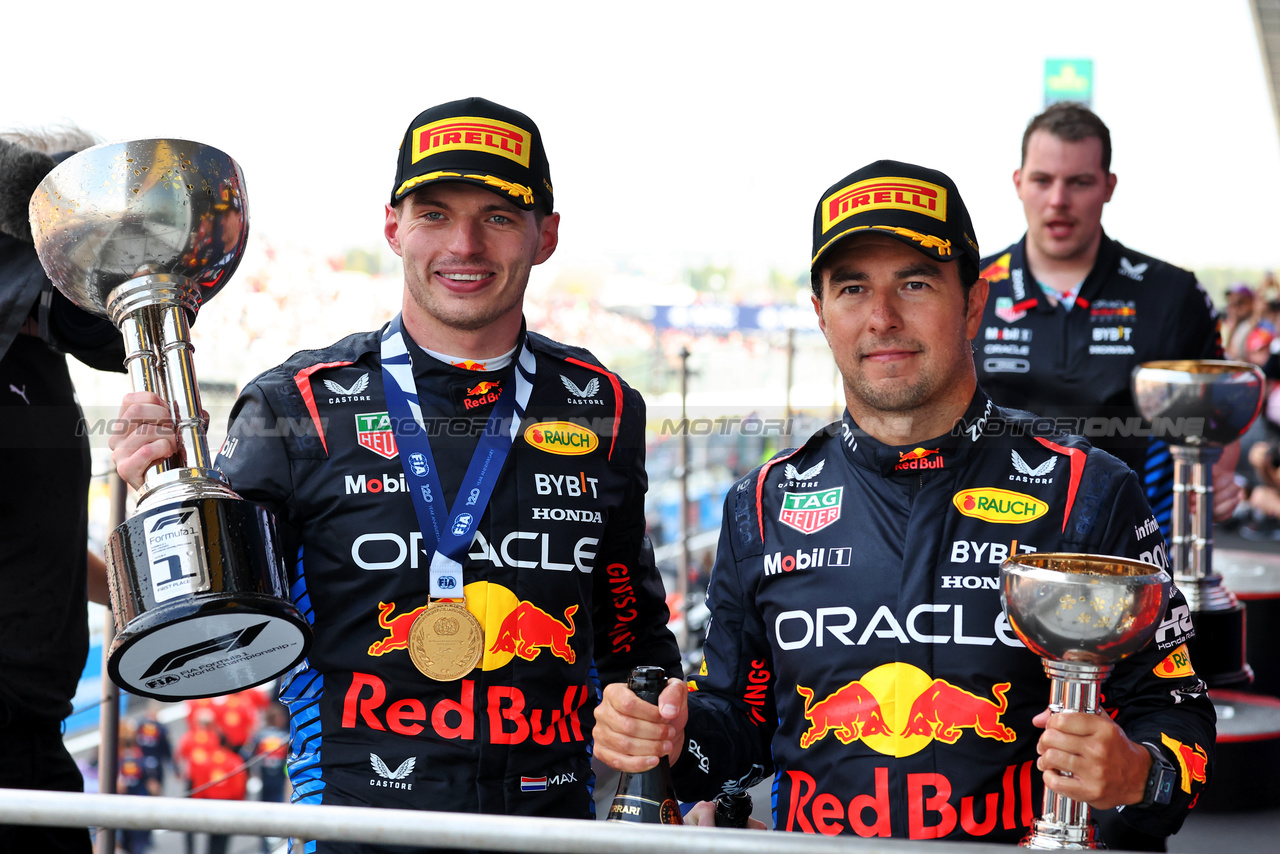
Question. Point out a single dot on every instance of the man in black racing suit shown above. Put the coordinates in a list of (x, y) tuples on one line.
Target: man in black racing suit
[(857, 650), (554, 573)]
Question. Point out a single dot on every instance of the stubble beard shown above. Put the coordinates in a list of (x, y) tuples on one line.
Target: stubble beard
[(889, 396), (464, 314)]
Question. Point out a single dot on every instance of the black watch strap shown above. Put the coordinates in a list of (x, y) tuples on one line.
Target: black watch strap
[(1160, 779)]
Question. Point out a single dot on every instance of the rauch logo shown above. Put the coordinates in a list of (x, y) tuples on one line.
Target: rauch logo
[(999, 505), (561, 437)]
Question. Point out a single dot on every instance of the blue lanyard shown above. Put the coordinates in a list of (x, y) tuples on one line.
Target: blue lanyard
[(449, 534)]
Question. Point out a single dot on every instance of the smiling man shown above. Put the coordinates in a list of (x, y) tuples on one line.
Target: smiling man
[(451, 483), (1072, 311), (858, 652)]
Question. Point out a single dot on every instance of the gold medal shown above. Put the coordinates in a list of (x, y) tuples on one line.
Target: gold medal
[(446, 641)]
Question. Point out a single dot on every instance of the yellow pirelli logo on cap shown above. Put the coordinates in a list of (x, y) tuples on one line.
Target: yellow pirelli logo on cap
[(904, 194), (467, 133)]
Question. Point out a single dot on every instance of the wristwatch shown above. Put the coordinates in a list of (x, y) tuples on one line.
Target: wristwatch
[(1160, 779)]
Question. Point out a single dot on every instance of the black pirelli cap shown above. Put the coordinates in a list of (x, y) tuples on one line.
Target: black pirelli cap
[(476, 141), (919, 206)]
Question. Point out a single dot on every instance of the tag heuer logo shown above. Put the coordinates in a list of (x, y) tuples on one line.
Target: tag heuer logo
[(373, 431), (808, 512)]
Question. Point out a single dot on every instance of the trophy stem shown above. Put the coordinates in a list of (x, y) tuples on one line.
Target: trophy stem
[(153, 312), (142, 363), (1064, 823), (179, 368), (1192, 530)]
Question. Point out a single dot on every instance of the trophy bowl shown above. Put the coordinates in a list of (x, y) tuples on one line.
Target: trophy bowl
[(1226, 395), (118, 211), (1086, 608), (1080, 613)]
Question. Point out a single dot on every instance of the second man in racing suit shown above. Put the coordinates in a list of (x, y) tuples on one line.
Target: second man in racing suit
[(858, 651)]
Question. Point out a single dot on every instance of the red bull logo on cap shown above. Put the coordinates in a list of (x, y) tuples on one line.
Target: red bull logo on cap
[(875, 711)]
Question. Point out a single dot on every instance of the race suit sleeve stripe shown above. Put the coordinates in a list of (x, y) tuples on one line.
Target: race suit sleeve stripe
[(617, 397), (1077, 471), (303, 380), (764, 471)]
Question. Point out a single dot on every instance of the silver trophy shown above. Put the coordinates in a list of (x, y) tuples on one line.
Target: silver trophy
[(1081, 614), (142, 233), (1197, 407)]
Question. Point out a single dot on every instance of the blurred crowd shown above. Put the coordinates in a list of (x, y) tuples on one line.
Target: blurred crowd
[(284, 299), (1251, 333), (226, 742)]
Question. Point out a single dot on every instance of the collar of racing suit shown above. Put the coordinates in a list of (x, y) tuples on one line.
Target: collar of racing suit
[(942, 452)]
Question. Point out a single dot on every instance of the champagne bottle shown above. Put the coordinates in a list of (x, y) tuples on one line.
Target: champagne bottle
[(733, 810), (647, 796)]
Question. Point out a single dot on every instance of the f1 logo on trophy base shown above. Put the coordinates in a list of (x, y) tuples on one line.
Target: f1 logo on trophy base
[(143, 233)]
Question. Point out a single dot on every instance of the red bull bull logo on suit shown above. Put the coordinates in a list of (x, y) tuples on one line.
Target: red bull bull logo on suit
[(498, 714), (897, 709), (875, 711), (511, 627)]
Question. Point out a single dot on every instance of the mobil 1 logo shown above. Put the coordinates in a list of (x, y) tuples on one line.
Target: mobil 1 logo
[(176, 554)]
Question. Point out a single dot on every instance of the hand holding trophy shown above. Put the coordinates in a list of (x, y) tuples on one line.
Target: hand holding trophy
[(1080, 613), (142, 233)]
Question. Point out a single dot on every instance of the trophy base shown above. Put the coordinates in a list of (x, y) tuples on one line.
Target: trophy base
[(1218, 649), (199, 589), (1049, 835)]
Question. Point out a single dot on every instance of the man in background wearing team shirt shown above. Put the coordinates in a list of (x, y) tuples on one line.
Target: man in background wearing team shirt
[(1072, 312)]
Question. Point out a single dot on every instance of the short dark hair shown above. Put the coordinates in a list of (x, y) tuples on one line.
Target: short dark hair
[(1071, 121), (967, 269)]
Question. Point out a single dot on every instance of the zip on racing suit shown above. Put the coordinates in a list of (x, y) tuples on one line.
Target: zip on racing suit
[(858, 649), (554, 575), (1076, 364)]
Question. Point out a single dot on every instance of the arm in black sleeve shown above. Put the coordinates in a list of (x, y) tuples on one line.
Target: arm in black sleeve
[(255, 459), (1155, 694), (93, 340), (732, 711), (1198, 325), (630, 605)]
